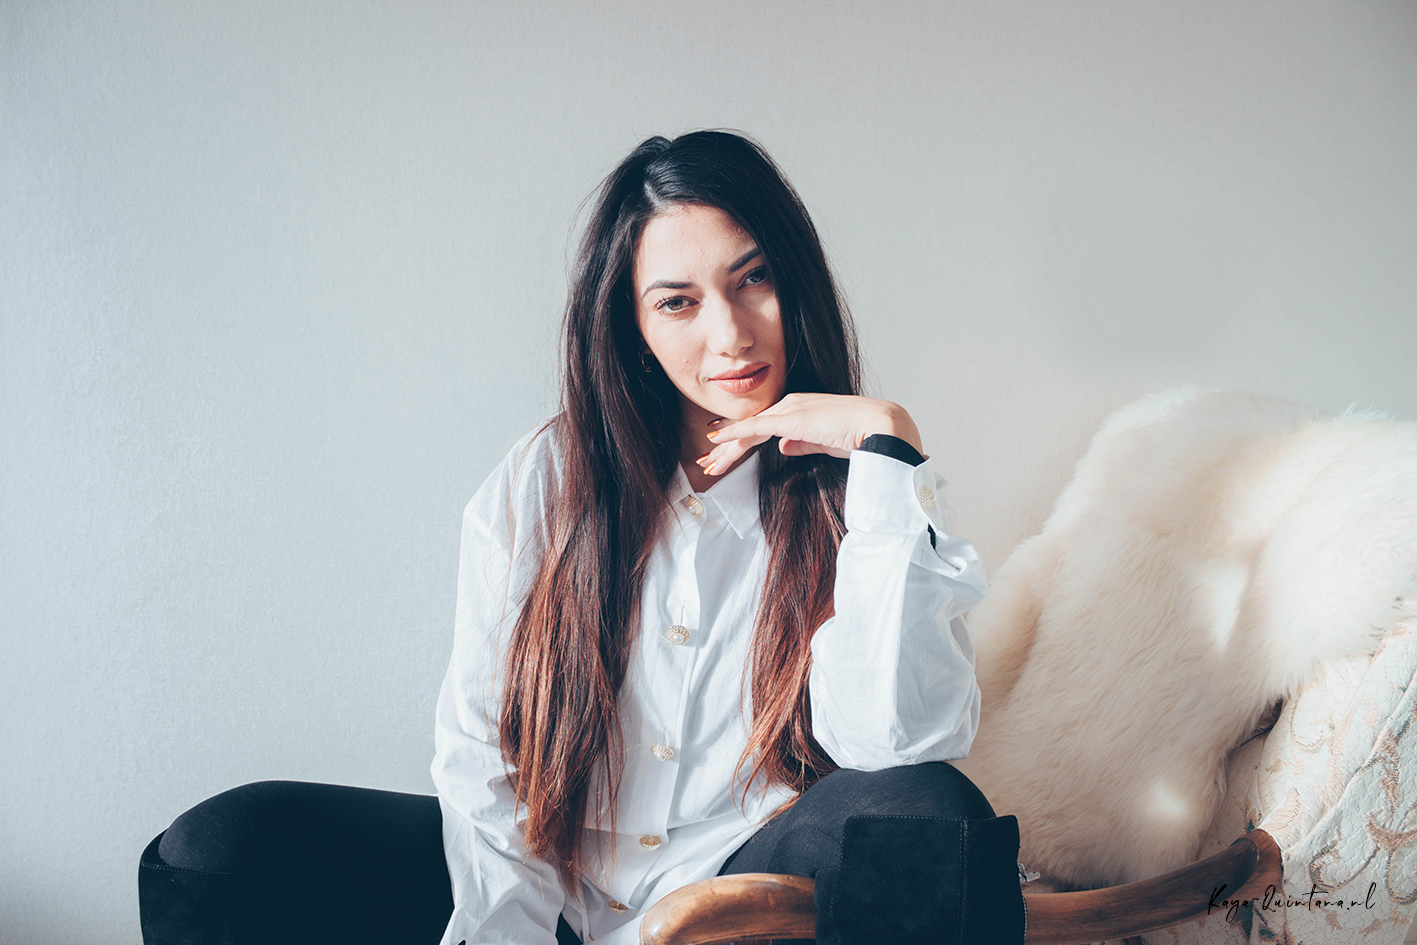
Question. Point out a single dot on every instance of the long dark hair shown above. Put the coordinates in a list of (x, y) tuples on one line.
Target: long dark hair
[(619, 439)]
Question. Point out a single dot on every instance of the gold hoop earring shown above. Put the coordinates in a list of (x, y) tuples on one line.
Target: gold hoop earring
[(647, 360)]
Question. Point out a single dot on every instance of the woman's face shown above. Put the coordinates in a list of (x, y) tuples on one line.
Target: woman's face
[(706, 307)]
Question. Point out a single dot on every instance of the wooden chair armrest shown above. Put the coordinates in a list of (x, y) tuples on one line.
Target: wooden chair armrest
[(1240, 871), (733, 908), (748, 906)]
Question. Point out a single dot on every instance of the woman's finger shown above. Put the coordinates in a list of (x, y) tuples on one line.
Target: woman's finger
[(775, 421), (790, 447), (718, 460), (717, 463), (728, 430)]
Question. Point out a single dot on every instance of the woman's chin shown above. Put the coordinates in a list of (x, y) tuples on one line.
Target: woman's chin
[(729, 407), (744, 406), (742, 409)]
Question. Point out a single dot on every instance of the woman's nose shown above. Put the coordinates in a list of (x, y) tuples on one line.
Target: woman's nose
[(729, 328)]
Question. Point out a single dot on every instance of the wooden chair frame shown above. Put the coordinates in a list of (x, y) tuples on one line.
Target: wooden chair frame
[(758, 907)]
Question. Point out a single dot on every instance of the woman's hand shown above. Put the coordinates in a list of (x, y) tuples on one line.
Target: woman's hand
[(808, 423)]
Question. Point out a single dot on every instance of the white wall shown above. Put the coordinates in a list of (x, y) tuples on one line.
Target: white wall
[(280, 282)]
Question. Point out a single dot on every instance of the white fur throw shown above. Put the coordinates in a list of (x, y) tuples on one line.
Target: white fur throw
[(1212, 550)]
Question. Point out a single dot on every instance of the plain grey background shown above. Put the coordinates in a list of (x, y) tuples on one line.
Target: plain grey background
[(280, 282)]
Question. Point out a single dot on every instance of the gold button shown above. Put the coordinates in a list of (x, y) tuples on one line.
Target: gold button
[(677, 635), (927, 497), (617, 907), (650, 842), (662, 752), (694, 505)]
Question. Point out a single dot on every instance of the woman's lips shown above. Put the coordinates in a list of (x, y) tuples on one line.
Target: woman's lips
[(744, 384)]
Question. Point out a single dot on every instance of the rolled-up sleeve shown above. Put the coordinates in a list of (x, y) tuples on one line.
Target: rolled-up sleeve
[(892, 680), (499, 893)]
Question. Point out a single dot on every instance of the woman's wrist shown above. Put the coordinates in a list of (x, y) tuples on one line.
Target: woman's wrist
[(896, 422)]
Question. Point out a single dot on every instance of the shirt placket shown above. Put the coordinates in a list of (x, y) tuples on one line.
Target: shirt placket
[(667, 652), (683, 641)]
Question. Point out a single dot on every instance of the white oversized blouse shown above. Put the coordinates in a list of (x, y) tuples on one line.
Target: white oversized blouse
[(892, 683)]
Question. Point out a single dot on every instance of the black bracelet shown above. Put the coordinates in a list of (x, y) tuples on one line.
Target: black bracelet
[(892, 446)]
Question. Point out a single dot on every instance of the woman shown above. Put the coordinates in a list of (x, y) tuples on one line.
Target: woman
[(708, 622)]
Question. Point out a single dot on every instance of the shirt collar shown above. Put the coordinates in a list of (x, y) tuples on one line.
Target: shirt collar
[(735, 495)]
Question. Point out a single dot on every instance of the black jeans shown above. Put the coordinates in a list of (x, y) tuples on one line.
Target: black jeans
[(906, 854)]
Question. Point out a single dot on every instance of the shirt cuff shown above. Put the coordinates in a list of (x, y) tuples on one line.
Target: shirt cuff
[(884, 494)]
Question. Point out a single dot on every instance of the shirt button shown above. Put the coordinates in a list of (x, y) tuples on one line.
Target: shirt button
[(927, 497), (694, 505), (617, 907), (677, 635), (650, 842), (662, 752)]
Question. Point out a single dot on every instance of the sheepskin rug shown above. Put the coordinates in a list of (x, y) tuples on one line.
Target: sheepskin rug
[(1212, 550)]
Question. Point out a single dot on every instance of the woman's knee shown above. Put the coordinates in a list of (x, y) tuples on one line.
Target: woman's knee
[(932, 789), (225, 832)]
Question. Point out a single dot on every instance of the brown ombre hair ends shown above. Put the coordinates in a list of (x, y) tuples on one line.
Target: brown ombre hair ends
[(618, 439)]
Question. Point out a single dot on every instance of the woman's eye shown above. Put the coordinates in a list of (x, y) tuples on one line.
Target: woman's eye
[(676, 303), (757, 276)]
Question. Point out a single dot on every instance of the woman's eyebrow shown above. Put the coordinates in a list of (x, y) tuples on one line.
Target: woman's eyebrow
[(665, 284), (737, 264), (746, 258)]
